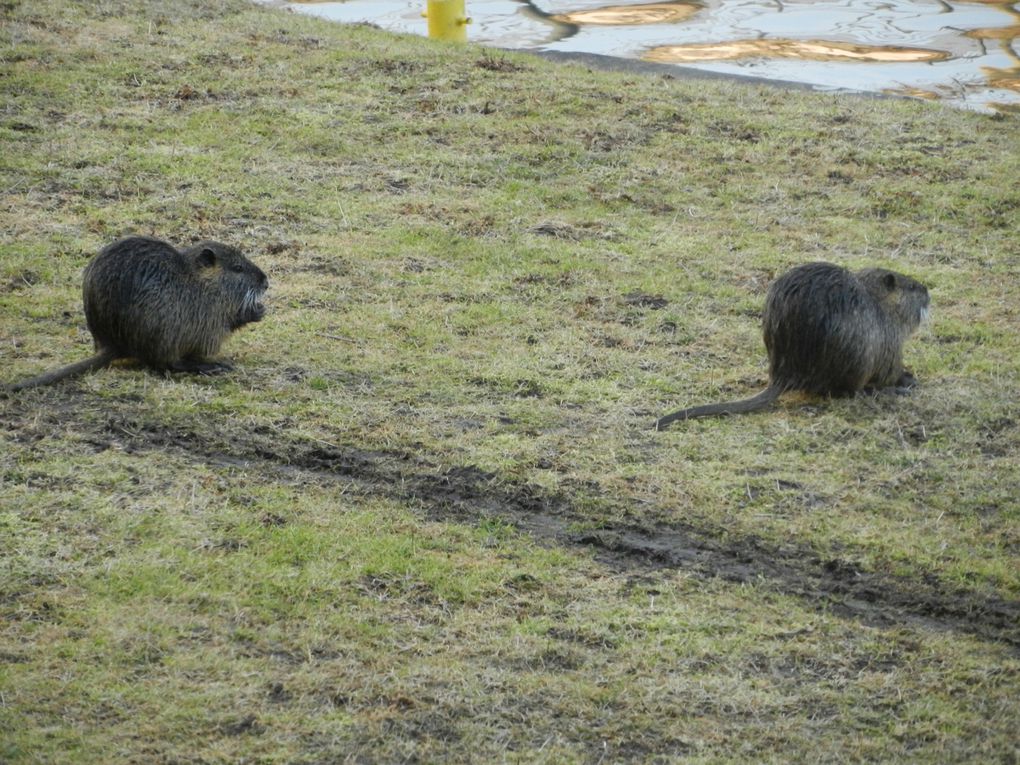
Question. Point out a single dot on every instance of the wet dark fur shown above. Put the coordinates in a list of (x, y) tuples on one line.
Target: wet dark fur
[(831, 332), (169, 309)]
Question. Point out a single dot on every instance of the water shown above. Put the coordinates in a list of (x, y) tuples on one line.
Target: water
[(964, 53)]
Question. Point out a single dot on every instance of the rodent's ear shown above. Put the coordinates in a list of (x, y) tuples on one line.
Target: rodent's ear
[(890, 281), (206, 258)]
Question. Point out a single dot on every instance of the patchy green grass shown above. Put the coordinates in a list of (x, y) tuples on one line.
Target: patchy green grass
[(426, 518)]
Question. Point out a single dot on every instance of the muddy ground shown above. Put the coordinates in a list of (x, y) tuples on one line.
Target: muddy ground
[(467, 494)]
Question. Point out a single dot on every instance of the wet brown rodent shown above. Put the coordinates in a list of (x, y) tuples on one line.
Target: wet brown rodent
[(169, 309), (831, 332)]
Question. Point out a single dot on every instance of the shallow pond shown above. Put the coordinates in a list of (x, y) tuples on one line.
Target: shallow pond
[(965, 53)]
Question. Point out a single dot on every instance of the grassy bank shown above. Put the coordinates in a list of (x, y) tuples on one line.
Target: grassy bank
[(426, 518)]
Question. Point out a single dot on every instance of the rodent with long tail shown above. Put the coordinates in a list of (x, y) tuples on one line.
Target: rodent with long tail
[(831, 332), (169, 309)]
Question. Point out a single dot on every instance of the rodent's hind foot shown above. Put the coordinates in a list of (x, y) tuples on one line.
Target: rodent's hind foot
[(906, 383), (194, 367), (905, 386)]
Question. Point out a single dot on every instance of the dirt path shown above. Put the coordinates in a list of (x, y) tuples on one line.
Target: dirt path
[(468, 494)]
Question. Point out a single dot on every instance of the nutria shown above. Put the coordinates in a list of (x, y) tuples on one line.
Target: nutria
[(833, 333), (169, 309)]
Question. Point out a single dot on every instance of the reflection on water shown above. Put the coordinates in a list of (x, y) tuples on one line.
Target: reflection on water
[(995, 33), (618, 15), (808, 50), (965, 53)]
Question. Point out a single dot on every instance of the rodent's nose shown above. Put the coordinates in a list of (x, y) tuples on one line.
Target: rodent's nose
[(263, 280)]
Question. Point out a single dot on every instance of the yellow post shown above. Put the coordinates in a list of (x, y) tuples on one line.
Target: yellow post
[(447, 20)]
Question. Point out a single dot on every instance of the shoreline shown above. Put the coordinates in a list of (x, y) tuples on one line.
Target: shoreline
[(607, 62)]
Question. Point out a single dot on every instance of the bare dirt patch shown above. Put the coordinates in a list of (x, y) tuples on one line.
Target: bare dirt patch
[(466, 493)]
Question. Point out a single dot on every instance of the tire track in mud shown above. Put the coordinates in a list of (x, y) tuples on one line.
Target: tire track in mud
[(468, 494)]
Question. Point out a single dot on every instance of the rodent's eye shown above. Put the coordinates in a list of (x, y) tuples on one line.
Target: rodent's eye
[(237, 268)]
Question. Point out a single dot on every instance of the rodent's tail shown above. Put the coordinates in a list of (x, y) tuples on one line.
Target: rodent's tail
[(100, 360), (752, 404)]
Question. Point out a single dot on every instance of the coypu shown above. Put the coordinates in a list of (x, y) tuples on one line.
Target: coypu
[(169, 309), (831, 332)]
